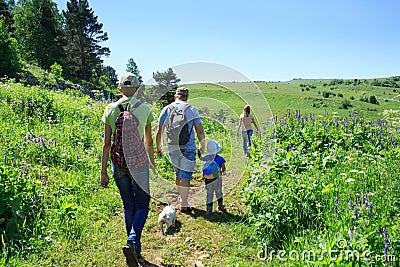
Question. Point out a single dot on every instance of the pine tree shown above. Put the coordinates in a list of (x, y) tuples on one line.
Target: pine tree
[(5, 14), (133, 68), (9, 58), (82, 35), (37, 30), (167, 83)]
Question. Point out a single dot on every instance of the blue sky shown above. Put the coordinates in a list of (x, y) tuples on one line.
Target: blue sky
[(264, 40)]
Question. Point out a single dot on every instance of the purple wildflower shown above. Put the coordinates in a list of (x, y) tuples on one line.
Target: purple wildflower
[(371, 123), (335, 208), (312, 118), (349, 204), (345, 123), (38, 140), (351, 232), (288, 113), (27, 137), (386, 246), (337, 123), (384, 232), (298, 117)]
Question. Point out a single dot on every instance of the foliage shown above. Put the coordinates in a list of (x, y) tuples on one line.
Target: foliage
[(83, 35), (133, 68), (331, 178), (10, 63), (56, 70), (167, 83), (38, 23)]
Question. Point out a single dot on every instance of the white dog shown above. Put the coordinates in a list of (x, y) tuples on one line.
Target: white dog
[(167, 216)]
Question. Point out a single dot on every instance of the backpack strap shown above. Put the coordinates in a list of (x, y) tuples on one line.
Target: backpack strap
[(121, 108), (137, 104)]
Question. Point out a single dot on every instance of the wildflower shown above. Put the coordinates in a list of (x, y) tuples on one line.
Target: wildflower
[(312, 118), (349, 204), (335, 208), (345, 124), (351, 232), (288, 113), (337, 123), (27, 137), (384, 232), (386, 246)]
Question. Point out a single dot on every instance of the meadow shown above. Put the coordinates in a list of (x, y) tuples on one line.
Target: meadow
[(323, 180)]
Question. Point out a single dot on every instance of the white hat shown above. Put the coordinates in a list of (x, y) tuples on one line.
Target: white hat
[(213, 147)]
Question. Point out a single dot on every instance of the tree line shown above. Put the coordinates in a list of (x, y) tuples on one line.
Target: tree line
[(36, 32)]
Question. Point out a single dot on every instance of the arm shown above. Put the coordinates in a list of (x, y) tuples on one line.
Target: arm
[(240, 124), (201, 136), (255, 125), (148, 139), (104, 180), (158, 140), (223, 168)]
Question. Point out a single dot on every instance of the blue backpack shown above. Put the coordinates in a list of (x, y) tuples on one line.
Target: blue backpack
[(211, 170)]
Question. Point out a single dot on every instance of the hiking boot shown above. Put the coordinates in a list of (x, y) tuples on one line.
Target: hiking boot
[(130, 255)]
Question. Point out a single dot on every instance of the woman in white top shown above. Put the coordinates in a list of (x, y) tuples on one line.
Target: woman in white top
[(245, 124)]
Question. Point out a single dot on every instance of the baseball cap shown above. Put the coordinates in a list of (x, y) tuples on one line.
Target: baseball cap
[(182, 91), (128, 80)]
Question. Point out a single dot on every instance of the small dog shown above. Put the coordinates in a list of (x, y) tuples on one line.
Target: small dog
[(167, 216)]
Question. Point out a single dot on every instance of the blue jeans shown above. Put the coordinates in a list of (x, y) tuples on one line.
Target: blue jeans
[(134, 189), (246, 141)]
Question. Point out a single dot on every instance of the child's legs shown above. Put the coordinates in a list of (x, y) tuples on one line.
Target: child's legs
[(218, 191), (210, 192)]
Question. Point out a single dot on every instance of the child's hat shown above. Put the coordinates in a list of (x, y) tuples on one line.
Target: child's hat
[(213, 147)]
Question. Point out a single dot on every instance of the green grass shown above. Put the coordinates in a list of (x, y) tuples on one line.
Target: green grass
[(62, 217), (282, 96)]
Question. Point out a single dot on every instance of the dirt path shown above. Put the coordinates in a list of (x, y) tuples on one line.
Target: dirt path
[(197, 240)]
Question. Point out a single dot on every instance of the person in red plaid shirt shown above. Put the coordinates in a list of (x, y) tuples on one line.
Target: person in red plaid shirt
[(133, 181)]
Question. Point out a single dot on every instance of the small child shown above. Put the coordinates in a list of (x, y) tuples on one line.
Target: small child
[(214, 167)]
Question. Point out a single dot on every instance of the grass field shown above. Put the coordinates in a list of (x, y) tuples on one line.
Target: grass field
[(54, 213)]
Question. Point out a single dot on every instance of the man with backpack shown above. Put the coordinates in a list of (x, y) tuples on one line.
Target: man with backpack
[(127, 137), (181, 120)]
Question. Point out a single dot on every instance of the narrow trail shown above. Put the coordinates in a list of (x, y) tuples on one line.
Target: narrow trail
[(197, 239)]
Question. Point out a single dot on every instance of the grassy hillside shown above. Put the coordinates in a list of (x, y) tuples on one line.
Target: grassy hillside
[(308, 96), (54, 213)]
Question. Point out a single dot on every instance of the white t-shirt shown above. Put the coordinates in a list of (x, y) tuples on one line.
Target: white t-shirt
[(246, 122)]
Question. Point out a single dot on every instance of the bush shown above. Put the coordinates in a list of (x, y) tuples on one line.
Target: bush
[(373, 100), (20, 205), (346, 104), (326, 94)]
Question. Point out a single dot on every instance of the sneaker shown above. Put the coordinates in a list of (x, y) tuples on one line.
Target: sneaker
[(208, 212), (130, 255), (221, 208), (142, 261)]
